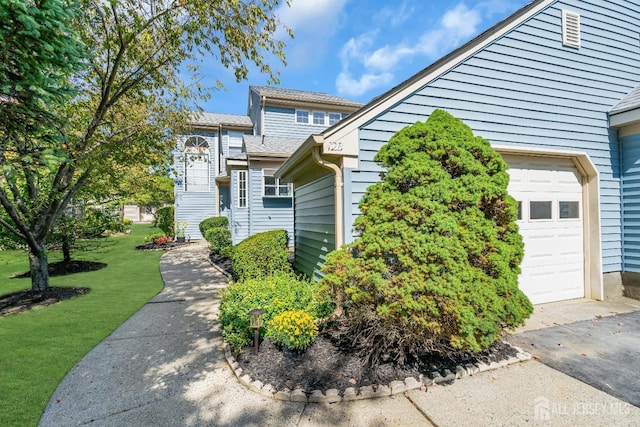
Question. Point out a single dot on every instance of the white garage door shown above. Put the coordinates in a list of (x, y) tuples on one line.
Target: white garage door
[(549, 194)]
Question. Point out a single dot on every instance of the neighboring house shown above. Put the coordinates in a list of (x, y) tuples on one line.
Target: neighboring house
[(138, 214), (552, 88), (226, 164), (197, 163)]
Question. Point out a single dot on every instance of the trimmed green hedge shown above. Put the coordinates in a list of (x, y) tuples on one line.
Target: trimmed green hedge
[(214, 222), (219, 238), (275, 294), (261, 255)]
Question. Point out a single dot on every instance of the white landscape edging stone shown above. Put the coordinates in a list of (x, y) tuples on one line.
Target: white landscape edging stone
[(367, 392)]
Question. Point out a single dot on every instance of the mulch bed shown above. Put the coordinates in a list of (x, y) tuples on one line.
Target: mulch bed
[(21, 301), (222, 262), (325, 365), (329, 363), (25, 300), (160, 247), (62, 268)]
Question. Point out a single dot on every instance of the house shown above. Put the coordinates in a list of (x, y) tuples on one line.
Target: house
[(554, 88), (225, 164)]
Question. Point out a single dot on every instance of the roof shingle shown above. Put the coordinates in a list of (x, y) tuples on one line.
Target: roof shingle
[(215, 119), (271, 144), (302, 95), (629, 102)]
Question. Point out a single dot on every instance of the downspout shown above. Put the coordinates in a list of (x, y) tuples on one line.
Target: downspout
[(217, 168), (262, 106), (337, 194), (622, 203)]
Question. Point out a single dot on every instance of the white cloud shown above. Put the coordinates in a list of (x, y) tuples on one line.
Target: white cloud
[(461, 22), (356, 48), (377, 65), (349, 86), (313, 22), (387, 57), (394, 16), (311, 16)]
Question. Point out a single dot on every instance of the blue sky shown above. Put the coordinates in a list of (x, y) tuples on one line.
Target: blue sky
[(359, 49)]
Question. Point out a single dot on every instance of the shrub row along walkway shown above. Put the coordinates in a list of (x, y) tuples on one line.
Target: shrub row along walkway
[(165, 366)]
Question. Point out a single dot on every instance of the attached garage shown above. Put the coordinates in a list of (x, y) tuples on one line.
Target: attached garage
[(550, 217)]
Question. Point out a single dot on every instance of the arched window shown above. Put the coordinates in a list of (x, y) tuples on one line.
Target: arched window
[(196, 164)]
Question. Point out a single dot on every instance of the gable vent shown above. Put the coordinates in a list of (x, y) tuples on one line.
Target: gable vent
[(570, 29)]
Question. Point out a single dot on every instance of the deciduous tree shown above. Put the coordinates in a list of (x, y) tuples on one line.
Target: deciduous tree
[(81, 125)]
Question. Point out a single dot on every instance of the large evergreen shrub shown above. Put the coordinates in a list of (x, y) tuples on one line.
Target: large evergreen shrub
[(261, 255), (437, 262)]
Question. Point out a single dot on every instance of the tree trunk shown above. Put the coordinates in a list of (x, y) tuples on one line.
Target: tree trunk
[(39, 268), (66, 249)]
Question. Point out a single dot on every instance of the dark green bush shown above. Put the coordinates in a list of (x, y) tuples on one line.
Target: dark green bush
[(437, 262), (164, 219), (219, 238), (275, 294), (261, 255), (216, 221)]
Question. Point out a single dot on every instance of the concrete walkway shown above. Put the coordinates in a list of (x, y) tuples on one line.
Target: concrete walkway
[(165, 367)]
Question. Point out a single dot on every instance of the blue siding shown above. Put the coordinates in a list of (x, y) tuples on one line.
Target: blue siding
[(314, 225), (527, 89), (281, 121), (631, 202), (255, 112), (268, 213), (193, 207), (231, 145)]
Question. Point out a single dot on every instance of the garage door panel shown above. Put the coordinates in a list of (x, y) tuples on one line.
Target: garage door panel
[(553, 264)]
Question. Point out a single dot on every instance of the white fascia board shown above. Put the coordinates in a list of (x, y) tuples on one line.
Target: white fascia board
[(625, 118), (299, 155)]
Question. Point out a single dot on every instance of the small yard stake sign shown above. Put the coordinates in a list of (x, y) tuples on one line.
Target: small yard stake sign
[(255, 322)]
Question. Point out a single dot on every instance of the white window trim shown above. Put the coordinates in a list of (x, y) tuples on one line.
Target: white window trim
[(554, 214), (278, 184), (309, 116), (569, 199), (239, 198), (329, 117), (313, 118), (207, 156)]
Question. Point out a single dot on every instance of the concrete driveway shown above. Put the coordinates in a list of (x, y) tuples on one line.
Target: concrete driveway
[(602, 352)]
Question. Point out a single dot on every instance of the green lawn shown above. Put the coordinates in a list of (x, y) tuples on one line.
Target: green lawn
[(37, 348)]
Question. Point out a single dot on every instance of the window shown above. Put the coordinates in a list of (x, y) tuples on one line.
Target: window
[(242, 189), (519, 210), (273, 187), (539, 210), (196, 164), (318, 118), (334, 118), (302, 116), (570, 29), (569, 210)]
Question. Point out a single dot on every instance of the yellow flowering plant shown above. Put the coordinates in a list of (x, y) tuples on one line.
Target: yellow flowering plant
[(181, 228), (294, 328)]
